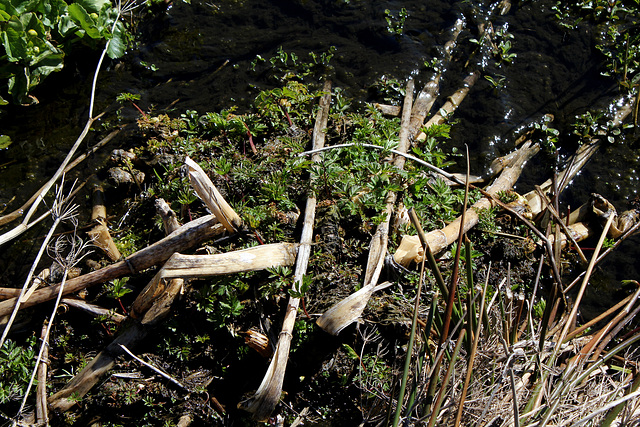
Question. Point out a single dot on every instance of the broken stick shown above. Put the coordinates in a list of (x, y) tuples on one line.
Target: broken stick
[(264, 401)]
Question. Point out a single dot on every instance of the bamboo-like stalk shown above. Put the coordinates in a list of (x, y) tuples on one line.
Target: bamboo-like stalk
[(192, 266), (427, 96), (453, 102), (100, 233), (210, 195), (42, 413), (264, 401), (438, 240), (349, 310), (93, 309), (185, 237)]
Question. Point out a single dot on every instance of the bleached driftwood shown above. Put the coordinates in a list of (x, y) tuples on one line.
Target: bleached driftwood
[(193, 266), (256, 258), (452, 103), (210, 195), (100, 234), (349, 310), (187, 236), (427, 96), (438, 240), (264, 401)]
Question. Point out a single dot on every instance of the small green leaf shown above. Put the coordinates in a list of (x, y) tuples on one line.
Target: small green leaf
[(93, 6), (350, 352), (5, 140), (82, 18), (117, 44)]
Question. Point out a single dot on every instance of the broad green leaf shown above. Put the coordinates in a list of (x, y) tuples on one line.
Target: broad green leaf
[(31, 22), (93, 6), (82, 18), (66, 25), (18, 85), (47, 65), (14, 41), (22, 6), (52, 11), (5, 140), (117, 44), (4, 16)]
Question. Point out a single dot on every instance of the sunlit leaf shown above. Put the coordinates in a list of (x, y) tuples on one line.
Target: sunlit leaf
[(82, 18), (5, 140), (93, 6), (117, 44)]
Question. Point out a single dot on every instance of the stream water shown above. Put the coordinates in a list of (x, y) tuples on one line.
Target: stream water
[(197, 57)]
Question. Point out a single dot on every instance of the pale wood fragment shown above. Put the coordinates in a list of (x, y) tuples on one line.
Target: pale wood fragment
[(264, 401), (100, 234), (185, 237)]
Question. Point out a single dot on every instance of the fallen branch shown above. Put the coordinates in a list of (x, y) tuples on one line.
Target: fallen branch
[(264, 401), (427, 96), (192, 266), (187, 236), (100, 234), (453, 102), (158, 308), (349, 310)]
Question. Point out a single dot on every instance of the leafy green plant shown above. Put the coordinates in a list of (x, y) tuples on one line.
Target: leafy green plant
[(498, 82), (395, 23), (287, 66), (36, 36), (16, 364)]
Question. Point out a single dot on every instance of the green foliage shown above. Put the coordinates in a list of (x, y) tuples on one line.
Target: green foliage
[(619, 42), (287, 66), (16, 364), (302, 289), (219, 300), (487, 219), (281, 107), (588, 126), (117, 288), (503, 51), (36, 35), (548, 135), (498, 82), (539, 307), (395, 23), (279, 278)]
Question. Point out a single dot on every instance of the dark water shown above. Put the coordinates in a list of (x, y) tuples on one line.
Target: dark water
[(179, 64)]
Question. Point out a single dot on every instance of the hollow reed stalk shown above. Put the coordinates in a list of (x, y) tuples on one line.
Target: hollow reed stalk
[(408, 356), (472, 354), (445, 381)]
